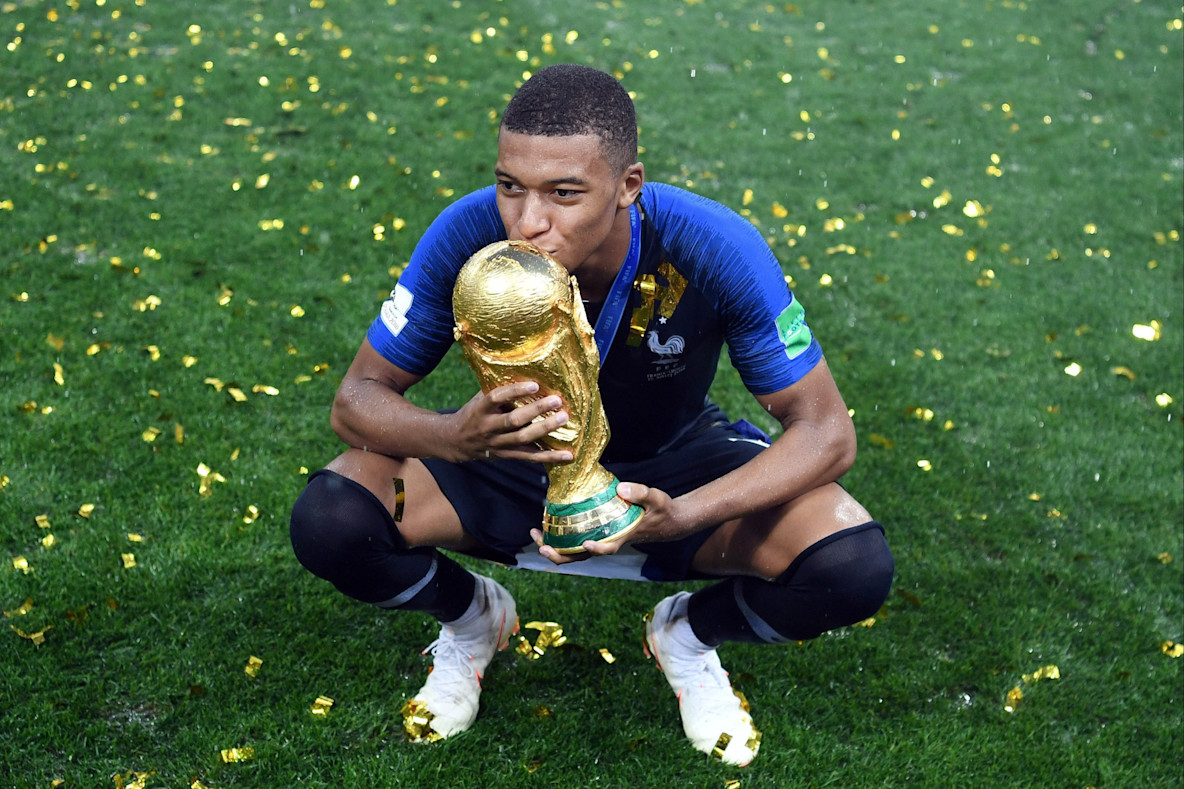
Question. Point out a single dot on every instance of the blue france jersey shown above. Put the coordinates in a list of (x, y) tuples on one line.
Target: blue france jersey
[(706, 278)]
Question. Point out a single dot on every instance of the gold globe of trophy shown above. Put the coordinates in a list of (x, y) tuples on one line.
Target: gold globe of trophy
[(519, 318)]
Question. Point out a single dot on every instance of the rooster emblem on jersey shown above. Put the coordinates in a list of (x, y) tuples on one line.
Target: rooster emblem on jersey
[(667, 351)]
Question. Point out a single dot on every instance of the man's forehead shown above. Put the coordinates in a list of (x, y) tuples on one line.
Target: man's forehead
[(535, 152)]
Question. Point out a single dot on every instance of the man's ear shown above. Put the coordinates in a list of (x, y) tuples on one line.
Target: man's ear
[(632, 179)]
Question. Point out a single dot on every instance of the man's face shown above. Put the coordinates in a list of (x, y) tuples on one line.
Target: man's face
[(561, 194)]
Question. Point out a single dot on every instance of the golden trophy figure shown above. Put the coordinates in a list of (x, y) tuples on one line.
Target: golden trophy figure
[(519, 318)]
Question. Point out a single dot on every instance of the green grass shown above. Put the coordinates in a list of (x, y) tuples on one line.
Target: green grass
[(1048, 530)]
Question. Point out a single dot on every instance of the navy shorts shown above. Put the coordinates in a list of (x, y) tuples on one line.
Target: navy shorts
[(500, 501)]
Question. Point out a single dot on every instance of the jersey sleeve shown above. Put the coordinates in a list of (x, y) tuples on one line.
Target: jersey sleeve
[(764, 325), (413, 329)]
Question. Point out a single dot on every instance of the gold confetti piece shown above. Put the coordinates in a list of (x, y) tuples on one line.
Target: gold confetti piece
[(1047, 672), (1125, 372), (924, 465), (252, 667), (179, 434), (238, 395), (881, 441), (48, 541), (262, 181), (208, 478), (297, 311), (134, 537), (22, 609), (1163, 400), (973, 209), (59, 376), (148, 304), (1164, 558), (153, 352), (608, 656), (417, 722), (86, 509), (37, 638), (732, 783), (251, 515), (267, 390), (1149, 332), (215, 382), (550, 635), (1169, 648), (721, 745), (42, 521), (22, 564), (4, 480), (869, 622), (129, 560), (1073, 370), (1014, 697), (321, 705), (244, 754), (150, 434), (543, 711), (132, 779), (1034, 497), (57, 343), (188, 361), (196, 784)]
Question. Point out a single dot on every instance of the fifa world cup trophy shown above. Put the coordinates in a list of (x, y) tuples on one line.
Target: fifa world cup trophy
[(519, 318)]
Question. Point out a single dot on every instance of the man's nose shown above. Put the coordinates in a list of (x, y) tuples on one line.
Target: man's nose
[(534, 219)]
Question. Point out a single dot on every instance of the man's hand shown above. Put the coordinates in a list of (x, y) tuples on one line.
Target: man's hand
[(490, 425), (658, 524)]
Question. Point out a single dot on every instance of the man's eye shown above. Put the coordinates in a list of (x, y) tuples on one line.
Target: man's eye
[(506, 186), (566, 193)]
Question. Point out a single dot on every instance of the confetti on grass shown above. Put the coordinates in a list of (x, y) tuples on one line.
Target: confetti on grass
[(550, 635), (132, 779), (1016, 694), (244, 754), (252, 667)]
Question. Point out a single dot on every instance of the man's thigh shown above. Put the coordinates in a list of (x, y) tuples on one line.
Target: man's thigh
[(766, 543), (422, 513)]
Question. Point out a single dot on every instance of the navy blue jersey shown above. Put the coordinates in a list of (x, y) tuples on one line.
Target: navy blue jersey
[(705, 279)]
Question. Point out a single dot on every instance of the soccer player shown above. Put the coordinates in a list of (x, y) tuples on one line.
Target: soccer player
[(668, 278)]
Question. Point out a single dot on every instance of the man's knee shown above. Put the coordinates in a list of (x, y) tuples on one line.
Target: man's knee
[(335, 524), (838, 581), (846, 578)]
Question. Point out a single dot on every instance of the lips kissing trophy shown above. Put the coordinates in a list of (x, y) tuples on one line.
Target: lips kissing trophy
[(519, 318)]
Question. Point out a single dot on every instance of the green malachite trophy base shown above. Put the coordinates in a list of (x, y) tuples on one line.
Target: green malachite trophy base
[(604, 517)]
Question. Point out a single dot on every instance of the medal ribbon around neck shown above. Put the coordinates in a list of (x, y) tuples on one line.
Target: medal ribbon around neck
[(618, 295)]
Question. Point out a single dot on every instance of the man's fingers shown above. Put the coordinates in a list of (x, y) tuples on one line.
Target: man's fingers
[(632, 492)]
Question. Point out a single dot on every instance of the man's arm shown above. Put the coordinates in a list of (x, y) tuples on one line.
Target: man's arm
[(816, 447), (371, 413)]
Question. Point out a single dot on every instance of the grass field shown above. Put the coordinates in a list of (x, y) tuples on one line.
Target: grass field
[(203, 204)]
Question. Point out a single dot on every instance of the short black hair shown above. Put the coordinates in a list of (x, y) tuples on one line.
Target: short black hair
[(568, 99)]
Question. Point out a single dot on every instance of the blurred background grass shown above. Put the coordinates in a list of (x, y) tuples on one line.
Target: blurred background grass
[(203, 205)]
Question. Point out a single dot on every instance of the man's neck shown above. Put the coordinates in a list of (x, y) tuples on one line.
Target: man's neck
[(596, 276)]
